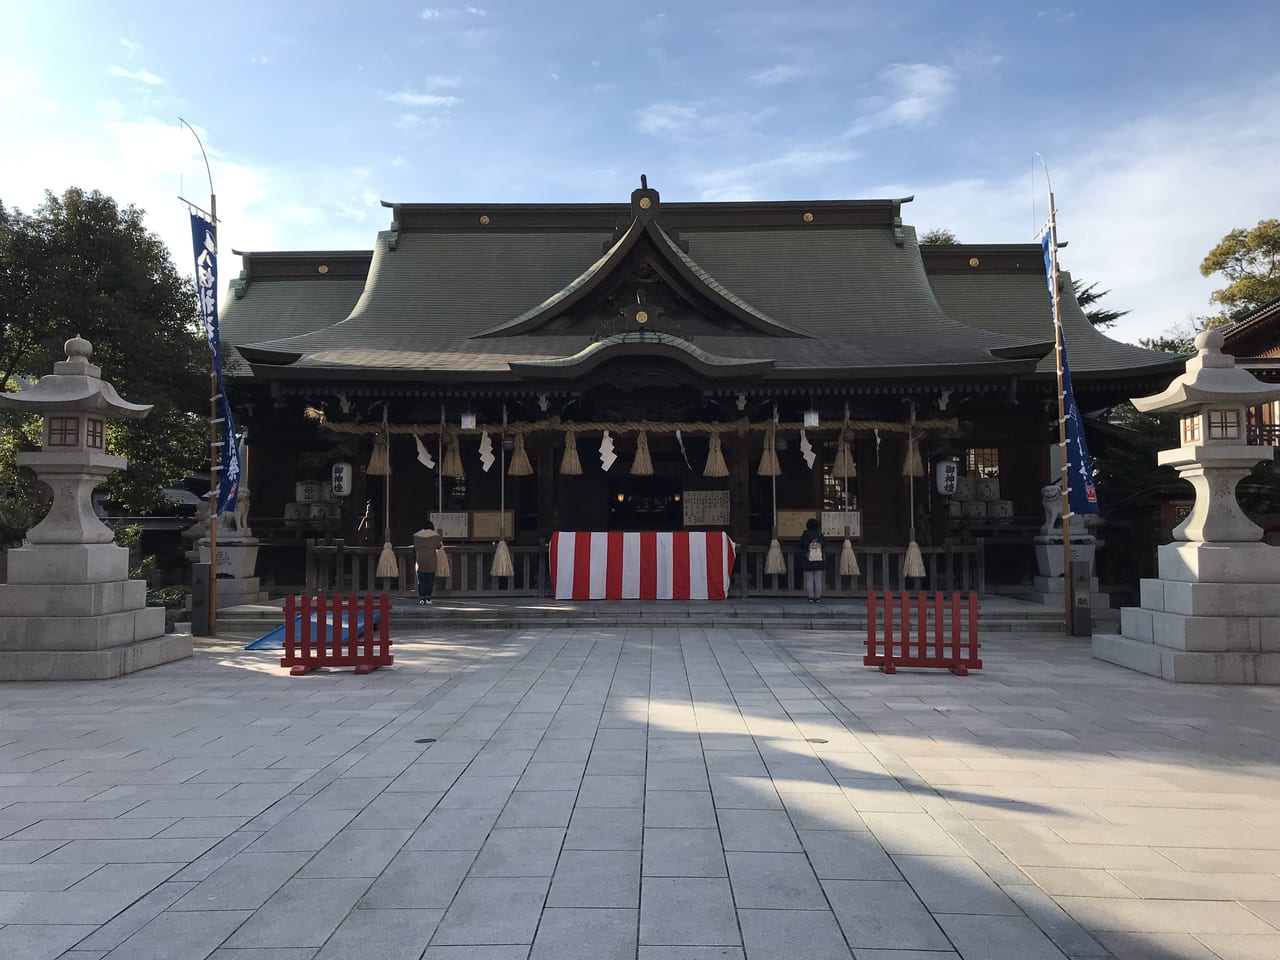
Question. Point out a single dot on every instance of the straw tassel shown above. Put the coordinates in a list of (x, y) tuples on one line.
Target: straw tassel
[(452, 466), (502, 566), (520, 466), (642, 466), (774, 564), (442, 564), (769, 459), (914, 566), (570, 465), (848, 562), (715, 459), (387, 566), (844, 465), (379, 461), (912, 465)]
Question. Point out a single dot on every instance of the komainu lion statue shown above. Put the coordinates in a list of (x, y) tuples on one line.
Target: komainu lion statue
[(1051, 500)]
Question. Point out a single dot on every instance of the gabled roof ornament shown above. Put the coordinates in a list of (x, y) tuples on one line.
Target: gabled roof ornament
[(644, 202)]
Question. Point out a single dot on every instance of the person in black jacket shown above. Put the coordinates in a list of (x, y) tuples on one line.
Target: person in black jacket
[(812, 560)]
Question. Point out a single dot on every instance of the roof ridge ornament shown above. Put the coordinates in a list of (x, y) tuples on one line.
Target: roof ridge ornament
[(645, 201)]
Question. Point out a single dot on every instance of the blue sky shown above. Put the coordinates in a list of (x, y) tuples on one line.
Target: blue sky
[(1160, 121)]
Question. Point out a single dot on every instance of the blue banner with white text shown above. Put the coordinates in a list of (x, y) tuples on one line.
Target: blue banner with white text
[(1082, 496), (206, 252)]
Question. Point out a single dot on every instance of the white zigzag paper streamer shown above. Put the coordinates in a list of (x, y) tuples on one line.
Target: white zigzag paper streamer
[(607, 456), (424, 455), (806, 450), (684, 453), (486, 451)]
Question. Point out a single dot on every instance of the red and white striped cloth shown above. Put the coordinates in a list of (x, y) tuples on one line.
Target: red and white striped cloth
[(641, 566)]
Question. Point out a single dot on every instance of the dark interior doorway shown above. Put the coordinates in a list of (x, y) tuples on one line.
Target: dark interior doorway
[(645, 503)]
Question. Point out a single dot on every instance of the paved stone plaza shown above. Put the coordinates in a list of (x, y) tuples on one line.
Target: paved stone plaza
[(600, 793)]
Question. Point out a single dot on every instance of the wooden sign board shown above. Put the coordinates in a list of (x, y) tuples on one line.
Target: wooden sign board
[(451, 526), (493, 525), (706, 508), (842, 523), (791, 523)]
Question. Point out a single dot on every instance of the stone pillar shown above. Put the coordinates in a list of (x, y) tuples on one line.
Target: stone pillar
[(70, 610)]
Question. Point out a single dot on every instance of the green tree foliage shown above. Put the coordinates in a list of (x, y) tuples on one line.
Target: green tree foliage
[(1249, 260), (81, 264), (1101, 317), (939, 235)]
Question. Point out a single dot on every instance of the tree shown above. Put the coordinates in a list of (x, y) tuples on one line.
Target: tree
[(80, 264), (1250, 262), (1100, 317), (940, 235)]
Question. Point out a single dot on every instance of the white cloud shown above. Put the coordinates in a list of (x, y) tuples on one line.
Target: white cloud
[(1141, 203), (697, 120), (143, 76), (131, 45), (442, 83), (431, 13), (408, 98), (476, 12), (914, 95), (762, 179), (772, 76)]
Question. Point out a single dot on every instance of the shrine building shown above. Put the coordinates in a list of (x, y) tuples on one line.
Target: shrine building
[(697, 335)]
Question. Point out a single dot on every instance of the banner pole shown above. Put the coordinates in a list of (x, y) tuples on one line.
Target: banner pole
[(215, 464), (1063, 478)]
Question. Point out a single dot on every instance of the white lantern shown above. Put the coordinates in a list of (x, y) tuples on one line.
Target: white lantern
[(810, 418), (946, 473), (340, 479), (468, 421)]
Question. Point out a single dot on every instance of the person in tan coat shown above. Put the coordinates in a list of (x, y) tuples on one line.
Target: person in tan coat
[(425, 544)]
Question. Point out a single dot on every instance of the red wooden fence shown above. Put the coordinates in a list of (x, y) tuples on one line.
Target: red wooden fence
[(945, 648), (314, 626)]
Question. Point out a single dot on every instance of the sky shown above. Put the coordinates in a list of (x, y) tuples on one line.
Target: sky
[(1159, 122)]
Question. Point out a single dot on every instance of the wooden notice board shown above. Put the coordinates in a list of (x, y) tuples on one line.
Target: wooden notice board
[(706, 508), (493, 525), (451, 526)]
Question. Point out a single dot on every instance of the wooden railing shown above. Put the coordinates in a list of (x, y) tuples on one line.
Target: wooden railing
[(950, 567), (333, 566)]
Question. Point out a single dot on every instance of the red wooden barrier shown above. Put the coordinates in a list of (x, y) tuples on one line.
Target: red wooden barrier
[(889, 652), (313, 628)]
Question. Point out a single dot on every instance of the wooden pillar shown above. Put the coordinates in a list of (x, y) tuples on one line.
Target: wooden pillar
[(548, 514), (739, 487)]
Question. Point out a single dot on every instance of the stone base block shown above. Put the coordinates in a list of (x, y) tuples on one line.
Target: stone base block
[(233, 593), (94, 664), (68, 563), (1221, 599), (81, 633), (1137, 624), (72, 600), (1188, 667), (1219, 562)]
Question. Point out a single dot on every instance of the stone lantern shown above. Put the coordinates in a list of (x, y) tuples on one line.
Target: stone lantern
[(1213, 615), (70, 610)]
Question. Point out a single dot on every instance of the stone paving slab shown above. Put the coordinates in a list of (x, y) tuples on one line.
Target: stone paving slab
[(675, 792)]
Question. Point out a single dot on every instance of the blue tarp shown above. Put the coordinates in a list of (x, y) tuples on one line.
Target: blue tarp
[(275, 639)]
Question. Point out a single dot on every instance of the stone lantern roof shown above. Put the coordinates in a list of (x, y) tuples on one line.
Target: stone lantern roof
[(1211, 377), (75, 386)]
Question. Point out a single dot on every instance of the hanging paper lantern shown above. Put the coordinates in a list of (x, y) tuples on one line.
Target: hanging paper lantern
[(848, 562), (452, 466), (715, 459), (520, 466), (769, 459), (570, 465), (642, 465), (379, 461), (502, 566), (774, 564)]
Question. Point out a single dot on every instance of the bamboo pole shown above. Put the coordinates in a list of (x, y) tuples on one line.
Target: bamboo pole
[(1064, 477)]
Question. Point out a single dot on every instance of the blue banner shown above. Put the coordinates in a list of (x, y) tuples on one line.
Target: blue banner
[(206, 251), (1082, 496)]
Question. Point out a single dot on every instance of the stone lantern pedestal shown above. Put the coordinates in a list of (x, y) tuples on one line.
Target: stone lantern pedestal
[(70, 610), (1213, 614)]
